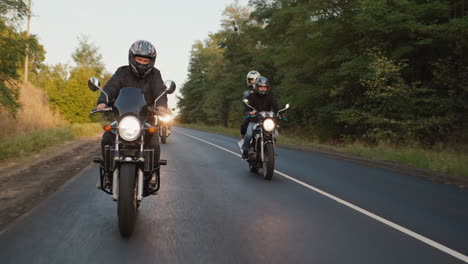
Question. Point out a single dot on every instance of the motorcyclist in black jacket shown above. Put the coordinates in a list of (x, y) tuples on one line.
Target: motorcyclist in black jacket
[(250, 78), (140, 73), (261, 100)]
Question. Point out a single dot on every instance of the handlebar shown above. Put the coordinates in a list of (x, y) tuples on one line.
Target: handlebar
[(95, 110), (277, 116)]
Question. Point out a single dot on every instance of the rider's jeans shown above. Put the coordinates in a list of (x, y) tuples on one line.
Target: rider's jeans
[(248, 136)]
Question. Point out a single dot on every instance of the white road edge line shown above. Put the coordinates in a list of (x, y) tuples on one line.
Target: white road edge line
[(419, 237)]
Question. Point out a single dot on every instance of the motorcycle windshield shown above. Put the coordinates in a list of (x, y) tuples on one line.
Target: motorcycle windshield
[(131, 100)]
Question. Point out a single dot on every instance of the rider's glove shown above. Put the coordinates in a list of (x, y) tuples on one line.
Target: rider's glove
[(282, 116)]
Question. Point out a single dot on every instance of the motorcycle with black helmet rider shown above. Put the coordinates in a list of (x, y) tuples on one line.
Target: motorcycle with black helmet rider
[(259, 144), (129, 166), (251, 78)]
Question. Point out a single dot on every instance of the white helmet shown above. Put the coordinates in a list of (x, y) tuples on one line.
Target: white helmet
[(252, 75)]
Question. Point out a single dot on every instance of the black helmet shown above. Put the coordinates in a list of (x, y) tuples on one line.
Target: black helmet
[(262, 82), (145, 49), (252, 75)]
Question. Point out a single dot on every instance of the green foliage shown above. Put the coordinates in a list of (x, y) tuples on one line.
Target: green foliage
[(12, 10), (87, 55), (213, 92), (67, 86), (370, 70), (33, 142), (86, 130), (27, 144), (391, 110), (13, 44)]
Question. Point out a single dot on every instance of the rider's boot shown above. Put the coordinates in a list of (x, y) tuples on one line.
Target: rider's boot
[(106, 182), (245, 154), (153, 183)]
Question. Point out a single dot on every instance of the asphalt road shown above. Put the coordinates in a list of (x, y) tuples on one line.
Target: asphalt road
[(211, 209)]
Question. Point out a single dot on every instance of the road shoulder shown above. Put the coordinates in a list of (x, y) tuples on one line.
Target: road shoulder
[(23, 186)]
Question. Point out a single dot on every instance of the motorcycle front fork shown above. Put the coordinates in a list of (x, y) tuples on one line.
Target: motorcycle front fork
[(262, 148), (115, 185)]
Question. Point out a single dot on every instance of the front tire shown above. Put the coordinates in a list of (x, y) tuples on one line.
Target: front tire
[(269, 161), (127, 204)]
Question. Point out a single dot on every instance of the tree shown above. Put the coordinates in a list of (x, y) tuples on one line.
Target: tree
[(67, 88), (87, 55), (370, 70), (12, 10), (12, 46)]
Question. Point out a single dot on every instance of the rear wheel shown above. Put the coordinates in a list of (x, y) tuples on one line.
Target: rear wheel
[(268, 161), (127, 203)]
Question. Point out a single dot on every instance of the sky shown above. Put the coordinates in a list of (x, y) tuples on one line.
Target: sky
[(113, 25)]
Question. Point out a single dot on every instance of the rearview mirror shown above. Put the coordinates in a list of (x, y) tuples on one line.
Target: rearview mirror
[(170, 86), (94, 84), (286, 107)]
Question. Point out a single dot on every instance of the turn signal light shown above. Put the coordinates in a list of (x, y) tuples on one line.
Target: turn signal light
[(107, 128), (152, 129)]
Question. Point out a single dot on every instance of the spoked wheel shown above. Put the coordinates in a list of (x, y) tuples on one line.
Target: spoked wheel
[(127, 202), (269, 161)]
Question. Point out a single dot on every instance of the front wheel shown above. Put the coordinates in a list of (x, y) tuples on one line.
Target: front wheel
[(268, 161), (127, 203)]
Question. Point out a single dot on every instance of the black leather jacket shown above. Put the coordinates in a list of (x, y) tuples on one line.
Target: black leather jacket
[(152, 86), (261, 103)]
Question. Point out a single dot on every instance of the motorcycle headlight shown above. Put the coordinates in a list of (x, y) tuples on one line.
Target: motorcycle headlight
[(269, 125), (166, 118), (129, 128)]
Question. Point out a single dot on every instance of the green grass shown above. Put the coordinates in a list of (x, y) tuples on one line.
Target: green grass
[(86, 130), (216, 129), (27, 144), (441, 159)]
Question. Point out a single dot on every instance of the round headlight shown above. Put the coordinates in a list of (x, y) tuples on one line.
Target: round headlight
[(268, 125), (129, 128), (165, 118)]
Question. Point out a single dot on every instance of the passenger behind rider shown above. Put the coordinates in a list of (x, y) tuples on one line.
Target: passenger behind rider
[(250, 78), (261, 100)]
